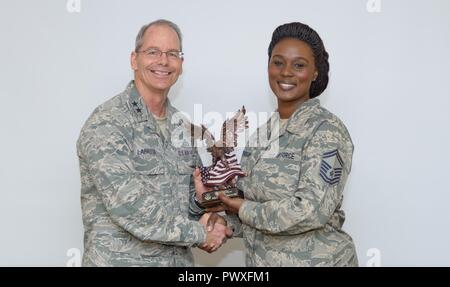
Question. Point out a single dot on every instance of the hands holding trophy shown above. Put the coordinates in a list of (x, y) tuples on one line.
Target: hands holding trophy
[(221, 176), (218, 178)]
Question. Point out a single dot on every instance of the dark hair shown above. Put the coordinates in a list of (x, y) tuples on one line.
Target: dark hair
[(303, 32)]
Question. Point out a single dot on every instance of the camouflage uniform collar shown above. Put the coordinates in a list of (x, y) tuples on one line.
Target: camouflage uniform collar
[(295, 124), (140, 112), (298, 119), (139, 108), (136, 103)]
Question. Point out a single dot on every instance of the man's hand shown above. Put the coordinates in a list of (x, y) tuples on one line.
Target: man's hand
[(216, 236), (199, 187), (213, 219)]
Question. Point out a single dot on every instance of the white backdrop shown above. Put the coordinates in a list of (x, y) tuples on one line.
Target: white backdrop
[(389, 67)]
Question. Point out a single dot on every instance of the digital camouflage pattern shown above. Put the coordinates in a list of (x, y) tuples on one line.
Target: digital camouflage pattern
[(136, 187), (293, 214)]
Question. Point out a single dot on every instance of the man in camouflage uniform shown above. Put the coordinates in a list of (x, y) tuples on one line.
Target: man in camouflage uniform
[(136, 181)]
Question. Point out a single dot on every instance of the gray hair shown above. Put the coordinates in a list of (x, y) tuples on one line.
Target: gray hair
[(144, 28)]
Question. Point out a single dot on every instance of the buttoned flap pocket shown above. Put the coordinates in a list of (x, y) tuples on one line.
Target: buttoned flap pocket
[(147, 153), (148, 165), (150, 169), (185, 168), (246, 159), (186, 160), (277, 177)]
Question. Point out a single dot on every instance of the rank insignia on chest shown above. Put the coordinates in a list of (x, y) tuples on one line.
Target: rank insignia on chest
[(331, 167)]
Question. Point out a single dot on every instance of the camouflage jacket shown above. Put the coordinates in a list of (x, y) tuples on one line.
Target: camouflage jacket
[(136, 187), (293, 214)]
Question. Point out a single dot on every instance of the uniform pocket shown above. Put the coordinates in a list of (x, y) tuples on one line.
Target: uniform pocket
[(277, 177), (185, 167), (147, 155), (148, 165), (185, 170)]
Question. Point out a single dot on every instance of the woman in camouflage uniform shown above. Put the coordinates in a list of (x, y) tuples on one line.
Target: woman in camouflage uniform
[(291, 214)]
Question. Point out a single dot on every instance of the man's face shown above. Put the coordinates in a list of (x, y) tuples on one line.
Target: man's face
[(157, 73)]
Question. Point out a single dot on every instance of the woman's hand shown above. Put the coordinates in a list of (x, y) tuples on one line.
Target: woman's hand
[(230, 205)]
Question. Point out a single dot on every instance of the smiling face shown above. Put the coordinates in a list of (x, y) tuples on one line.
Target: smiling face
[(157, 74), (291, 71)]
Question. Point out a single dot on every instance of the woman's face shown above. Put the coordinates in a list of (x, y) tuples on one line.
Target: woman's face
[(291, 71)]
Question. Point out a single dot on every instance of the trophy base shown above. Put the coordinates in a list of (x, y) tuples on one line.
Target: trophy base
[(211, 198)]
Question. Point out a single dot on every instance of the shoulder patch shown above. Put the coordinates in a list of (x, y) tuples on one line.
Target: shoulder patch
[(331, 167)]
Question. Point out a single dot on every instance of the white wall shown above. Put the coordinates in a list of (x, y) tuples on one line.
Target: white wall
[(389, 72)]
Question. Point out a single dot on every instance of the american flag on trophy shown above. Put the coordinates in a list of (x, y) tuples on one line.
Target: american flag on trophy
[(219, 174), (225, 166)]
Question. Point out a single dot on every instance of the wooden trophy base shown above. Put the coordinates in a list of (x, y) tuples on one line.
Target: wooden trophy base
[(211, 198)]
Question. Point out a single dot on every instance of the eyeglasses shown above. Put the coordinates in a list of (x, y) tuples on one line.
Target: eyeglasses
[(156, 53)]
